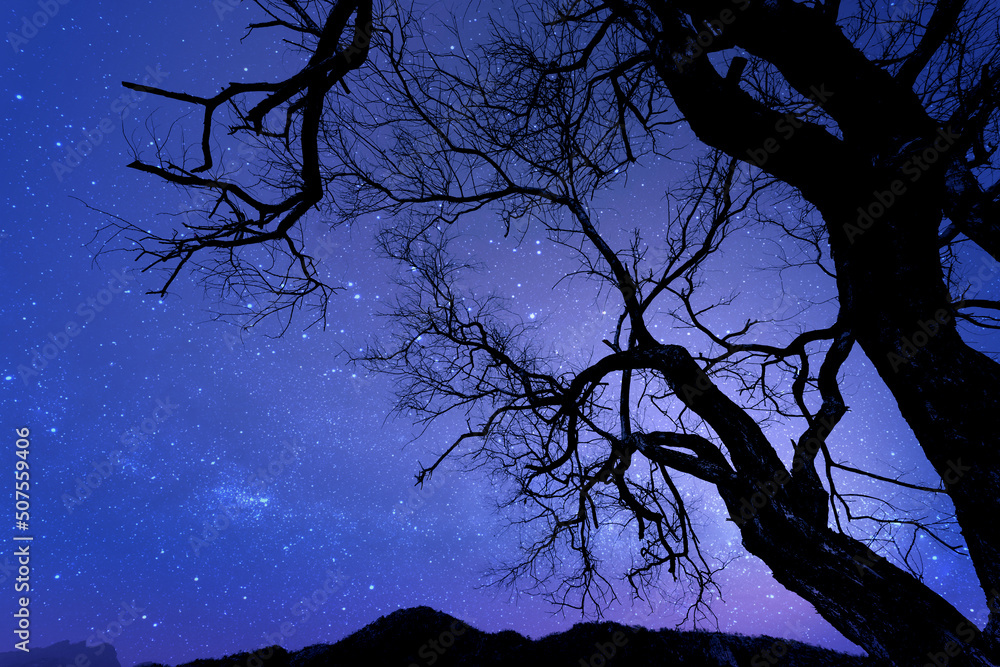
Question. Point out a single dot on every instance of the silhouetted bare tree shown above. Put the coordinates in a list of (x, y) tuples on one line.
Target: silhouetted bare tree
[(876, 133)]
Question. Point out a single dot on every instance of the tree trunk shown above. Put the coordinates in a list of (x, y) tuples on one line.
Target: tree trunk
[(883, 609), (892, 289), (888, 265)]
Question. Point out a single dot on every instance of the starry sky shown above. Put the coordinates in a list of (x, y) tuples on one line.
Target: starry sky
[(257, 470)]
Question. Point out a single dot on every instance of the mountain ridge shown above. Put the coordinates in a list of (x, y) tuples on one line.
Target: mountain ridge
[(63, 654), (425, 637)]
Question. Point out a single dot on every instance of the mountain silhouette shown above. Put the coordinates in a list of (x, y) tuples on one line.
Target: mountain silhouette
[(425, 637), (63, 654)]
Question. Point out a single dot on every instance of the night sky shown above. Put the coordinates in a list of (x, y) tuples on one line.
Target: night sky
[(276, 453)]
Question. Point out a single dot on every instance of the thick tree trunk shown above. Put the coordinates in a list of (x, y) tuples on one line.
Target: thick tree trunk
[(892, 288), (888, 267), (883, 609)]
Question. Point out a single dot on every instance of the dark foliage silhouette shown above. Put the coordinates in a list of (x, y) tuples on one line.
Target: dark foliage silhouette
[(423, 636)]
